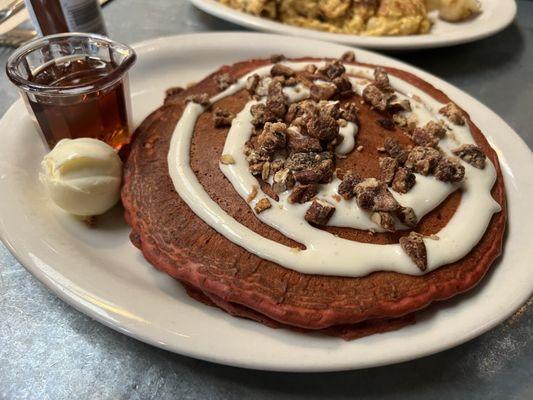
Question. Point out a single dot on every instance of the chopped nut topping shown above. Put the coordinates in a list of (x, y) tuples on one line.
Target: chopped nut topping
[(276, 165), (252, 82), (360, 148), (319, 212), (202, 99), (414, 247), (347, 186), (388, 167), (173, 91), (276, 58), (227, 159), (403, 181), (283, 180), (453, 113), (342, 123), (395, 150), (297, 143), (471, 154), (332, 70), (375, 97), (259, 114), (394, 105), (373, 195), (350, 112), (282, 70), (323, 127), (343, 85), (225, 80), (386, 123), (310, 68), (383, 219), (423, 138), (407, 216), (399, 120), (303, 193), (311, 167), (222, 118), (300, 109), (423, 159), (449, 170), (272, 137), (381, 80), (349, 57), (253, 194), (323, 91), (262, 205), (276, 103), (265, 172), (435, 129)]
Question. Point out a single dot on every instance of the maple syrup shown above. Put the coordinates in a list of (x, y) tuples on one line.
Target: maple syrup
[(76, 86)]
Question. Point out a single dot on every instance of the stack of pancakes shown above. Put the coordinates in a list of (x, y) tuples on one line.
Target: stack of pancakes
[(219, 273)]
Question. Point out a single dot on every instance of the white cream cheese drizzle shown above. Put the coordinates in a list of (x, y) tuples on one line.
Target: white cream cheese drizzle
[(325, 253)]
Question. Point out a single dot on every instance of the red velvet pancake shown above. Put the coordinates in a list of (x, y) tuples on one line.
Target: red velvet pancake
[(179, 243)]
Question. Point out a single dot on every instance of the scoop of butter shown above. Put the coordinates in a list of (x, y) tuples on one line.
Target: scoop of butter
[(82, 176)]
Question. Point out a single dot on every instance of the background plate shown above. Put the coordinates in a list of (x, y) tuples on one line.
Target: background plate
[(496, 15), (101, 274)]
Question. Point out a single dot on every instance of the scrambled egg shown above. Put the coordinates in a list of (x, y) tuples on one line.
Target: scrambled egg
[(364, 17)]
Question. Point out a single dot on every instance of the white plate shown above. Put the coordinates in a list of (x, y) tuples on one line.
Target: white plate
[(100, 273), (496, 15)]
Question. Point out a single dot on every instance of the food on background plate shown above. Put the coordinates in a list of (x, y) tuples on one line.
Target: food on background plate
[(362, 17), (82, 176), (315, 195)]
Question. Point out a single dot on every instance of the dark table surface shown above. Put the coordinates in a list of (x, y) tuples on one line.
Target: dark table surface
[(48, 350)]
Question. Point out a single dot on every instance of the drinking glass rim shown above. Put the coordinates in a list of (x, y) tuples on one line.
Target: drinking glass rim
[(101, 83)]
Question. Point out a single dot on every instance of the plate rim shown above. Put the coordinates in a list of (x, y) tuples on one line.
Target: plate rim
[(69, 296), (400, 43)]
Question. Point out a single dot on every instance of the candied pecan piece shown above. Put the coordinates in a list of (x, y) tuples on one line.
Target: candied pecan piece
[(404, 180), (259, 114), (319, 212), (276, 165), (395, 150), (350, 112), (375, 97), (331, 109), (471, 154), (449, 170), (282, 70), (276, 58), (388, 167), (227, 159), (435, 129), (323, 91), (297, 143), (276, 103), (323, 127), (386, 123), (343, 85), (225, 80), (383, 219), (332, 70), (453, 113), (349, 57), (423, 159), (373, 195), (395, 105), (300, 109), (222, 118), (414, 247), (303, 193), (407, 216), (423, 138), (311, 167), (381, 80), (283, 180), (347, 186), (200, 98), (273, 137), (262, 205), (252, 82), (399, 120)]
